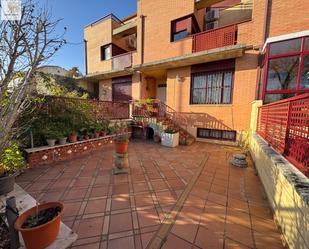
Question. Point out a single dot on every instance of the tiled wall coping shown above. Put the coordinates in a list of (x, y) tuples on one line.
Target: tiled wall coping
[(297, 179), (46, 155), (41, 148), (287, 190)]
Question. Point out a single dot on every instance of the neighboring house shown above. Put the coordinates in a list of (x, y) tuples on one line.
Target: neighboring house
[(53, 80), (55, 70), (208, 59)]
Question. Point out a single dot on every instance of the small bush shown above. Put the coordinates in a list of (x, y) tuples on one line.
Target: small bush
[(11, 160), (170, 131)]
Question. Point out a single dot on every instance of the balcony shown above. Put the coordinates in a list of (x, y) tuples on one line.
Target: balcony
[(201, 4), (215, 38), (122, 61)]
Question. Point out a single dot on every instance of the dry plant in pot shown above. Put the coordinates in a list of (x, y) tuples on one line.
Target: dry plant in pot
[(40, 224)]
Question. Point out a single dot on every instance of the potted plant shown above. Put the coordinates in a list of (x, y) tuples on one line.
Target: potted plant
[(11, 161), (121, 144), (73, 137), (83, 134), (183, 139), (97, 129), (62, 137), (40, 225), (156, 138), (51, 135), (111, 130), (170, 138)]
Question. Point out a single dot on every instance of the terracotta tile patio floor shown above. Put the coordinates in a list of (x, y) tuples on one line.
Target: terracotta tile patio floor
[(217, 205)]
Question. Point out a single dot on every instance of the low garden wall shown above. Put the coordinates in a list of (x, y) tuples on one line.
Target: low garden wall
[(287, 190), (46, 155)]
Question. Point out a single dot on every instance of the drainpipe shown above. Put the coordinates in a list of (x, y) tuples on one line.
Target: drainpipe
[(264, 38), (142, 37), (86, 57)]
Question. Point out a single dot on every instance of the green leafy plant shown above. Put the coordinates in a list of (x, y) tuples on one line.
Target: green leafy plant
[(11, 160), (170, 130), (122, 139), (52, 132)]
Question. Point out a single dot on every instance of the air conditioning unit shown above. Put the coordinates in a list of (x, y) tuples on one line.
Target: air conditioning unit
[(131, 42), (212, 25), (212, 15)]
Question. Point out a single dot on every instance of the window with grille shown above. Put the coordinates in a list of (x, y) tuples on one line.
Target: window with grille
[(216, 134), (212, 87)]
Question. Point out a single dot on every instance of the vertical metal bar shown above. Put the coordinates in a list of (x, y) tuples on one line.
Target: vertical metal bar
[(301, 64), (265, 71)]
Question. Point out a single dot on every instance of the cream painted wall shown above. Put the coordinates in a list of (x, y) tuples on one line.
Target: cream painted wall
[(105, 90)]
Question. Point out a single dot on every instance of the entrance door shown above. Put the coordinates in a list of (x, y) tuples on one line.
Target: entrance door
[(161, 92)]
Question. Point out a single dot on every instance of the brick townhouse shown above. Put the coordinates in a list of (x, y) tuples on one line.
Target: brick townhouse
[(207, 59)]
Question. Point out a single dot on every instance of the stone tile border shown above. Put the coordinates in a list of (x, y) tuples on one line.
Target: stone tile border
[(161, 234)]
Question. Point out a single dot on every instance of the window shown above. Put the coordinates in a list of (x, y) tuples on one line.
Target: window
[(180, 35), (211, 87), (286, 70), (304, 82), (282, 73), (285, 47), (105, 52), (216, 134), (182, 28)]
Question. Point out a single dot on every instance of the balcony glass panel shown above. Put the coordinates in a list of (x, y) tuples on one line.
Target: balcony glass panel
[(282, 73), (305, 73), (285, 47)]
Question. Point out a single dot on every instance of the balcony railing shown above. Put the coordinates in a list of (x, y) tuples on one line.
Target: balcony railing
[(285, 126), (122, 61), (215, 38)]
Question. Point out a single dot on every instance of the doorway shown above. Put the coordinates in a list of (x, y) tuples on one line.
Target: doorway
[(161, 92)]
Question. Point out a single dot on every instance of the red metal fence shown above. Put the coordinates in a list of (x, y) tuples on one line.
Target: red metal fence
[(215, 38), (285, 126)]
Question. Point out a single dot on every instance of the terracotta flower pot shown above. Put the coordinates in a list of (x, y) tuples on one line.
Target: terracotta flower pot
[(121, 148), (73, 138), (97, 134), (41, 236)]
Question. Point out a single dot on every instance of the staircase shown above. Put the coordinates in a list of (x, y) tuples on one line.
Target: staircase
[(160, 116)]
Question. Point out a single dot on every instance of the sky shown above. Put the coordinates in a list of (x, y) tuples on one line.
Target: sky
[(76, 14)]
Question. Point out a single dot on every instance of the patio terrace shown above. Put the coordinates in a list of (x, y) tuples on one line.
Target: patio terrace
[(204, 201)]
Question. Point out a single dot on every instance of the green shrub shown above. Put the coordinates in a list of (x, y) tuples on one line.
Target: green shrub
[(11, 160), (170, 130), (122, 139)]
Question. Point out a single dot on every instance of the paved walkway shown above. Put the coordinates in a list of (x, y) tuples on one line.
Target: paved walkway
[(187, 197)]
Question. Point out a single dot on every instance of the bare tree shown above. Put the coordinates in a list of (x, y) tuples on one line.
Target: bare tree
[(24, 45)]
